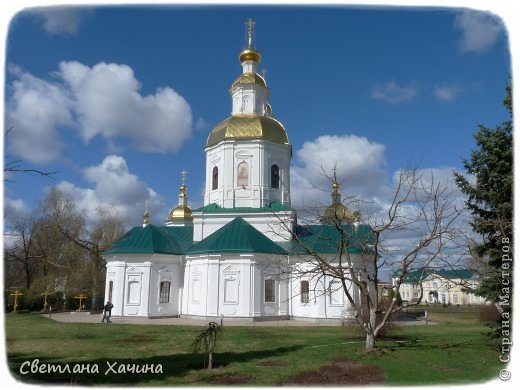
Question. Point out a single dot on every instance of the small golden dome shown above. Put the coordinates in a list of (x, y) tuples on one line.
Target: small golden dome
[(337, 212), (248, 127), (180, 213), (248, 78), (250, 54)]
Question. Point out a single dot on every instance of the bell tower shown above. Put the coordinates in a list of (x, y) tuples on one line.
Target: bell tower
[(248, 154)]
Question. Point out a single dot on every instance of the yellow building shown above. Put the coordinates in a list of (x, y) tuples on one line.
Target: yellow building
[(450, 287)]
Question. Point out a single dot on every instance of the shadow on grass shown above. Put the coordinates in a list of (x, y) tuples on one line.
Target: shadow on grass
[(117, 371)]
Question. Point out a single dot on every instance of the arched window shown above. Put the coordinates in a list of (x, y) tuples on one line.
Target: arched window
[(275, 176), (214, 183), (246, 104)]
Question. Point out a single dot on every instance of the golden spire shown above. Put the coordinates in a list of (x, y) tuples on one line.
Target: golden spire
[(146, 215), (249, 53), (336, 212), (182, 212), (336, 195), (182, 194), (250, 29)]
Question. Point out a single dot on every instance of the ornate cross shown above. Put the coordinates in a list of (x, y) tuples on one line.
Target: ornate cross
[(184, 172), (250, 29)]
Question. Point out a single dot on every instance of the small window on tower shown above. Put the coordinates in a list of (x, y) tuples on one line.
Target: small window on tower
[(214, 182), (275, 176)]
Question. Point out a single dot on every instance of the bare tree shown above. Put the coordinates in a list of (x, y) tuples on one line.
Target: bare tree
[(421, 208), (56, 248), (64, 217), (21, 255), (13, 166)]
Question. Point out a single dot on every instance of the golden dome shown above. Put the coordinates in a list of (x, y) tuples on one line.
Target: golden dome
[(337, 212), (248, 127), (250, 54), (248, 78), (180, 213)]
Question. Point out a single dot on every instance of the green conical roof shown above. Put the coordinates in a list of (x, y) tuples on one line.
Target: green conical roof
[(237, 236)]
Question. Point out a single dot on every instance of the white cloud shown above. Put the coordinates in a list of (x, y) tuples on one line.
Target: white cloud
[(200, 124), (60, 20), (15, 210), (103, 100), (480, 30), (393, 93), (108, 103), (448, 93), (116, 188), (359, 169), (35, 110)]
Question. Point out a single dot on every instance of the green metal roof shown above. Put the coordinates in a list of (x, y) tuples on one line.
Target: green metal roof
[(417, 275), (215, 208), (237, 236), (326, 239), (154, 239)]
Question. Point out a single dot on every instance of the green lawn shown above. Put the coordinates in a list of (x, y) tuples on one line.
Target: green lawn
[(452, 352)]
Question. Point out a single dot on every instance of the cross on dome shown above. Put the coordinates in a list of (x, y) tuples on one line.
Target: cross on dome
[(184, 172)]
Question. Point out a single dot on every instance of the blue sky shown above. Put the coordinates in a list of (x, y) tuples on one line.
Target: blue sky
[(119, 100)]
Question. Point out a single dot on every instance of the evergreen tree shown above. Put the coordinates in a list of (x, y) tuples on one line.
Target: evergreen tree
[(490, 201)]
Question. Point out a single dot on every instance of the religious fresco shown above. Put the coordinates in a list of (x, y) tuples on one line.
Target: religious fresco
[(243, 175)]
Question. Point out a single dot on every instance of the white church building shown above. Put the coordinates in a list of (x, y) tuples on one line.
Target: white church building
[(232, 258)]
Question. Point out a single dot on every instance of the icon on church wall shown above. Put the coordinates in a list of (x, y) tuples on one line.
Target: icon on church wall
[(243, 175)]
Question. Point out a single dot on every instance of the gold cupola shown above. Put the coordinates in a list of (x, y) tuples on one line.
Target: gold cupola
[(337, 212), (181, 214), (251, 117)]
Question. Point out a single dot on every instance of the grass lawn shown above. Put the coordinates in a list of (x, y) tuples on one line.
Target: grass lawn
[(452, 352)]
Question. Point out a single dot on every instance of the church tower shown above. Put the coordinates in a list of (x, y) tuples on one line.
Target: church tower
[(248, 154)]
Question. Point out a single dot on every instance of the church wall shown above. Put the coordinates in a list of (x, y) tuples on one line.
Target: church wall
[(325, 298), (218, 285), (270, 300), (267, 223), (165, 269), (114, 285), (232, 286), (133, 284)]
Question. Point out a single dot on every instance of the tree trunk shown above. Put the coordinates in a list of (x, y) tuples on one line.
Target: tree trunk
[(94, 304), (370, 341), (210, 361), (370, 330)]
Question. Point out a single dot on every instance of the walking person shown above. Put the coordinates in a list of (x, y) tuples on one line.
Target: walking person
[(107, 312)]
